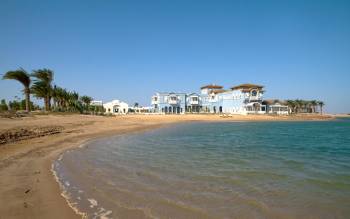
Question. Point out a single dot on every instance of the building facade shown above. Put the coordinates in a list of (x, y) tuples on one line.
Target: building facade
[(242, 99), (169, 103), (276, 107), (116, 107)]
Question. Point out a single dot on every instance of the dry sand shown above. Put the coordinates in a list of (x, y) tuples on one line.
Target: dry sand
[(29, 145)]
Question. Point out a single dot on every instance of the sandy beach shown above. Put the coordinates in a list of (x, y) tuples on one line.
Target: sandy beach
[(29, 145)]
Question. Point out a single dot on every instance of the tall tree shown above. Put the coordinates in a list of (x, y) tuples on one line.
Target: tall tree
[(299, 105), (292, 105), (86, 100), (44, 78), (321, 104), (59, 96), (39, 89), (24, 78), (314, 104), (3, 105)]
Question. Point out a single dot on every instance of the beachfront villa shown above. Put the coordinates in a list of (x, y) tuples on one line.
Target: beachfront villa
[(242, 99), (169, 103), (116, 107)]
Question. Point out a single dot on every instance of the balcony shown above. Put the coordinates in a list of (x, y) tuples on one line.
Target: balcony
[(256, 98), (249, 98), (194, 102), (173, 101), (154, 100)]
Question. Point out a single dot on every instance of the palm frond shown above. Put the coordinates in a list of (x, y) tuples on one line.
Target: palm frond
[(20, 75)]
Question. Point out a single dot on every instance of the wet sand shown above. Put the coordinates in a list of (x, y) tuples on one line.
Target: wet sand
[(27, 186)]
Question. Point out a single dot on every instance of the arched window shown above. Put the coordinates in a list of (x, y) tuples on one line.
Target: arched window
[(254, 93)]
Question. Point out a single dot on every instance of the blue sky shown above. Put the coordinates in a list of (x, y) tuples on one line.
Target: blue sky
[(130, 49)]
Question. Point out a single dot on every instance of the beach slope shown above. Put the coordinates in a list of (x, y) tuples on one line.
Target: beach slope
[(29, 145)]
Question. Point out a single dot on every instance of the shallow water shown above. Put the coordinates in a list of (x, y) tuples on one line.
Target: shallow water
[(214, 170)]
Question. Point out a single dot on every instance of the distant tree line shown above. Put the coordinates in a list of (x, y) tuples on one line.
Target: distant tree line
[(39, 83), (305, 106)]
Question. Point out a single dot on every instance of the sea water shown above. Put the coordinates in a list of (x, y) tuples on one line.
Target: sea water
[(214, 170)]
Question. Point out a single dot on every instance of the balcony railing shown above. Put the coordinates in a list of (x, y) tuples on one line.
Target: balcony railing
[(170, 101), (251, 98), (194, 102)]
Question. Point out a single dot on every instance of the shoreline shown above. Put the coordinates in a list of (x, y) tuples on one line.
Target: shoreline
[(83, 144), (28, 188)]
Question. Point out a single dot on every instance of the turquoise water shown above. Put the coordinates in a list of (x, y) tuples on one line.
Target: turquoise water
[(215, 170)]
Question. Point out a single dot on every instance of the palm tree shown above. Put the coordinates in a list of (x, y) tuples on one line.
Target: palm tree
[(40, 90), (54, 96), (86, 100), (314, 104), (60, 97), (292, 104), (298, 105), (44, 79), (321, 104), (24, 78)]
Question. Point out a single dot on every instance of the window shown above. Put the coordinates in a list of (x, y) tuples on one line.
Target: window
[(194, 98), (173, 98), (254, 93)]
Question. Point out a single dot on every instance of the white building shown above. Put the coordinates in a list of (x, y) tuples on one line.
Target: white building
[(277, 107), (116, 107), (96, 103)]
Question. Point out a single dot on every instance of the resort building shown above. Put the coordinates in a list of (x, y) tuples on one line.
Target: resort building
[(277, 107), (193, 103), (210, 98), (116, 107), (169, 103), (242, 99)]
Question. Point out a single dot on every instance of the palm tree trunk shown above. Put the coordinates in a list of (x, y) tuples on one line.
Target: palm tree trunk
[(27, 96), (49, 102), (46, 104)]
